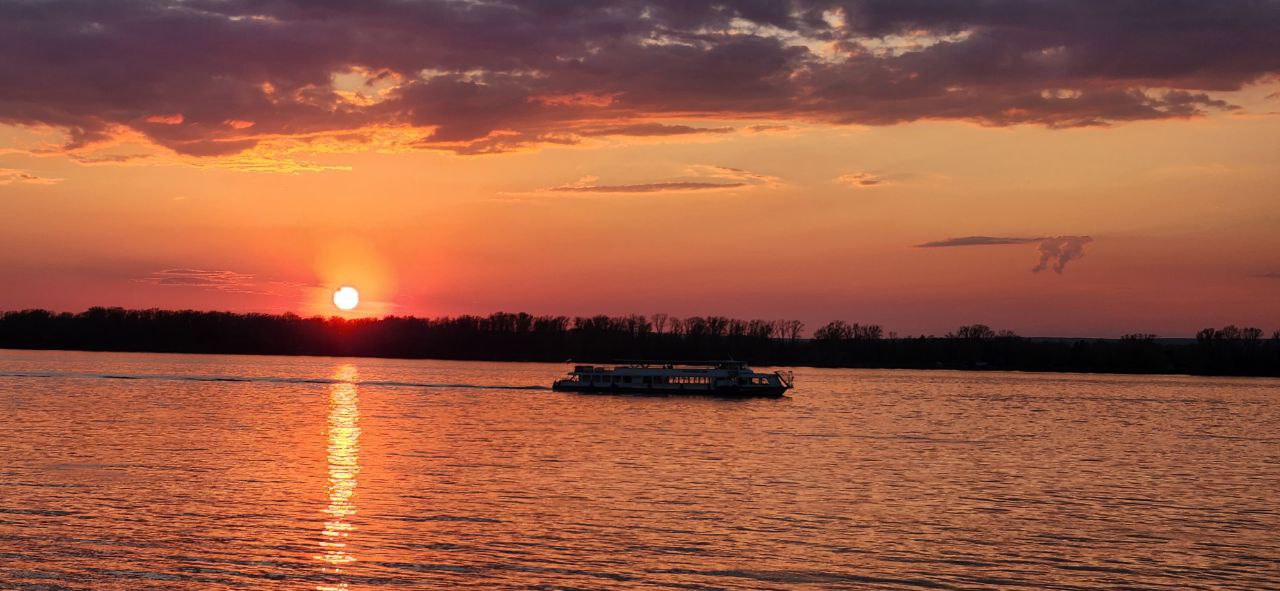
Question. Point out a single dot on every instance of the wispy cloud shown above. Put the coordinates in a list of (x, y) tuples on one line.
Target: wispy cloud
[(862, 180), (663, 187), (698, 178), (739, 175), (768, 127), (976, 241), (1055, 251), (10, 176), (108, 158), (651, 130), (273, 165), (228, 281)]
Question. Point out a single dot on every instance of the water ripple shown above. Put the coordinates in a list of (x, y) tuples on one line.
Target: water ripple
[(195, 473)]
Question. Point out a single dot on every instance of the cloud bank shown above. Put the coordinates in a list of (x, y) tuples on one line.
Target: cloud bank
[(218, 77)]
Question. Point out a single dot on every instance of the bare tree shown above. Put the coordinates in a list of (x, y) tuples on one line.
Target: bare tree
[(836, 330), (659, 322), (637, 325), (868, 332), (737, 328), (1140, 337), (792, 329), (677, 325), (972, 331), (760, 329), (717, 325)]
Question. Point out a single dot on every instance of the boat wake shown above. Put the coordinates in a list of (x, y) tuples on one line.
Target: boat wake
[(264, 379)]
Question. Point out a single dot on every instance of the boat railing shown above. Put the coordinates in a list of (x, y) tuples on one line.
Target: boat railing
[(671, 363), (788, 378)]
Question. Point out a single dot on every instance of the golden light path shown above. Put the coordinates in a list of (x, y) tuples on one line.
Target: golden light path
[(344, 467)]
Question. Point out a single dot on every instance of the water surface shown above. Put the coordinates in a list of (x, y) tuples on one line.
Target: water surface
[(138, 471)]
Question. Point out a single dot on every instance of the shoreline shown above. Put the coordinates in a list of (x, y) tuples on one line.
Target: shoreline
[(972, 370)]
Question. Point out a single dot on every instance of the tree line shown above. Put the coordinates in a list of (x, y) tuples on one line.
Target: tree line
[(524, 337)]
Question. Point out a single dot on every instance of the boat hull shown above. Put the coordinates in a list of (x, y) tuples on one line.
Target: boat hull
[(634, 390)]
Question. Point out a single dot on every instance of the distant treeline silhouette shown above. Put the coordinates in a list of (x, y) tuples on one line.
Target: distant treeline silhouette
[(524, 337)]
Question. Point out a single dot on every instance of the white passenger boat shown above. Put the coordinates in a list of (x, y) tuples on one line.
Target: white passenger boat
[(731, 379)]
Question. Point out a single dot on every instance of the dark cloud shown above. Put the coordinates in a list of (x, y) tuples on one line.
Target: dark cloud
[(976, 241), (1055, 251), (216, 77)]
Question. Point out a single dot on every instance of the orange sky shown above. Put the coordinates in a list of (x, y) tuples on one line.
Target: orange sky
[(813, 218)]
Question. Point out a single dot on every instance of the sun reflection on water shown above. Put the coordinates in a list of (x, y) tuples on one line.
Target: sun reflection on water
[(344, 467)]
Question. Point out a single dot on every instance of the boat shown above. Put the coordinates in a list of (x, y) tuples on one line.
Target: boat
[(729, 379)]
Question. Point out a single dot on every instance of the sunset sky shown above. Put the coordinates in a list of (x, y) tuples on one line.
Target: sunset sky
[(1069, 167)]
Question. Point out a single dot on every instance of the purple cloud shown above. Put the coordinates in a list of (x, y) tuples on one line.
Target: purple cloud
[(210, 78), (1055, 251), (976, 241)]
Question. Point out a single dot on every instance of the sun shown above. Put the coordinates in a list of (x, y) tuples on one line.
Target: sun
[(346, 298)]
